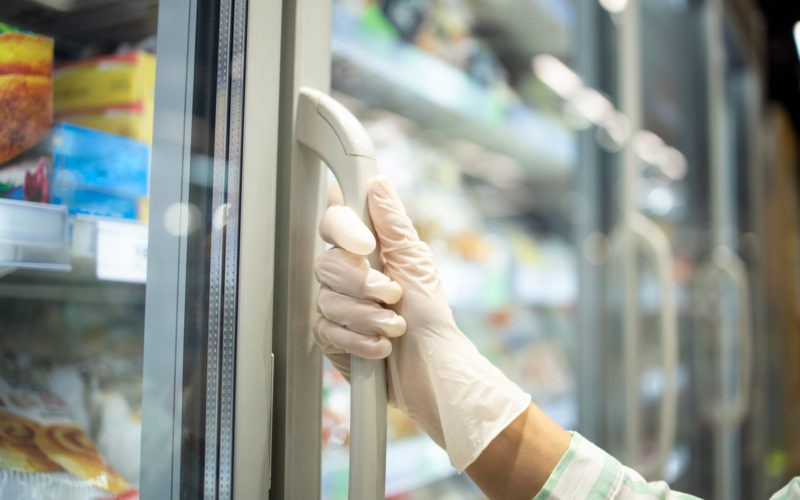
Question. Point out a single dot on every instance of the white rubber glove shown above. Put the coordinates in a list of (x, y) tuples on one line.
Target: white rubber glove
[(435, 373)]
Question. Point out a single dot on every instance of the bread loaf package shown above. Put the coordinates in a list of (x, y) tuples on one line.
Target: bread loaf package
[(45, 454)]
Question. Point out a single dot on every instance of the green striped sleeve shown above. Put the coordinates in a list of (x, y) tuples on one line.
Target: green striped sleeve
[(586, 471), (789, 492)]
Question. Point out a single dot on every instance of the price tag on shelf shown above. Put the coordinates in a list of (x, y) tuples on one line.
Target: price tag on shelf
[(121, 251)]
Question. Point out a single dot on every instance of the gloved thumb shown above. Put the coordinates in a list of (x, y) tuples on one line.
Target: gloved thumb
[(404, 255), (341, 227)]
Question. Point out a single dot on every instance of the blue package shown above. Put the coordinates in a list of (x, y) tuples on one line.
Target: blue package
[(98, 173)]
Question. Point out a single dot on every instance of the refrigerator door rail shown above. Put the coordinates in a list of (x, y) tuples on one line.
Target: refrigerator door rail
[(729, 414), (329, 130), (646, 235), (653, 239)]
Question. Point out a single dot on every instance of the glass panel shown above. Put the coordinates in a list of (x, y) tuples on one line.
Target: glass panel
[(77, 86), (483, 153), (673, 192), (97, 201), (525, 137)]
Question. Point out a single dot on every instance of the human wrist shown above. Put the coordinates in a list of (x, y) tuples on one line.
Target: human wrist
[(519, 460)]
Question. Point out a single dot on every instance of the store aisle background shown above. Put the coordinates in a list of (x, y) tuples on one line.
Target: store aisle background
[(588, 175)]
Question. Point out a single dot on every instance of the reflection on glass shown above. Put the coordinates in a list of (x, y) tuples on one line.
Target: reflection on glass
[(77, 90), (462, 104)]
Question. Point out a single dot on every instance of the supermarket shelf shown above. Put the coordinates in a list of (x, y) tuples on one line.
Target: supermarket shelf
[(116, 250), (33, 236), (386, 73), (22, 286), (75, 23), (522, 28), (36, 237)]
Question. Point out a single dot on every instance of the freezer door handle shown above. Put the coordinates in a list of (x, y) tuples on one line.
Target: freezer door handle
[(652, 239), (730, 414), (328, 129)]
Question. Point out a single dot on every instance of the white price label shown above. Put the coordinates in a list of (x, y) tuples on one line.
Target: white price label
[(122, 251)]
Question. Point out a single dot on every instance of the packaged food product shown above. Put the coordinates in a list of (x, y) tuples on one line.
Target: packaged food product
[(38, 436), (100, 174), (112, 93), (26, 90), (128, 120), (103, 81)]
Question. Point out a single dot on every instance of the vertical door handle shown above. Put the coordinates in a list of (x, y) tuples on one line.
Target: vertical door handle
[(731, 414), (651, 238), (328, 129)]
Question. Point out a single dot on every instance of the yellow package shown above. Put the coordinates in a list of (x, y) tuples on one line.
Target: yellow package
[(134, 121), (105, 81), (26, 90)]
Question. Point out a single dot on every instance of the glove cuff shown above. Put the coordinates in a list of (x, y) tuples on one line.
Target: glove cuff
[(456, 395)]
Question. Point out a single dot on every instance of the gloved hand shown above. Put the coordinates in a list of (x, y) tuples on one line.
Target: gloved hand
[(435, 373)]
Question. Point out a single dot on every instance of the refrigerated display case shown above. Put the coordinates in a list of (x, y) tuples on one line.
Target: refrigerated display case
[(74, 259), (482, 158), (121, 246), (776, 410), (571, 165), (700, 190)]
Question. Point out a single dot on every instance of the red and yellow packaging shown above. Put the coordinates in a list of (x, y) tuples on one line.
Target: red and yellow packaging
[(112, 93), (37, 435), (26, 90)]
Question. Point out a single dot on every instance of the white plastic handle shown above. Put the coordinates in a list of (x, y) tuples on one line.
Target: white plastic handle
[(653, 239), (336, 136), (725, 414)]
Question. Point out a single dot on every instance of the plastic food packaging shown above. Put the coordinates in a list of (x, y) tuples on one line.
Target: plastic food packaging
[(26, 90), (97, 173), (112, 93), (45, 454)]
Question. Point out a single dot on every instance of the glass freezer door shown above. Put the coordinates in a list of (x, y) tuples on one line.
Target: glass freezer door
[(484, 156), (135, 355), (208, 336)]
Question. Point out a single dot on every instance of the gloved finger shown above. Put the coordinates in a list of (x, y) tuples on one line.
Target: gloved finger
[(340, 226), (399, 242), (339, 359), (351, 275), (328, 333), (361, 316)]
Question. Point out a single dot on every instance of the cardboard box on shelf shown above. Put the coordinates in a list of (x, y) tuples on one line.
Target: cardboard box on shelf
[(100, 174), (102, 81), (112, 93), (133, 120), (26, 90)]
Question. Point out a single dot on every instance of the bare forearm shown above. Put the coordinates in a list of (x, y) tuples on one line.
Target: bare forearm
[(517, 463)]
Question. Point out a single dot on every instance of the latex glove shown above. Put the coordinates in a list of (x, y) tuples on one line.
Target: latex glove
[(435, 373)]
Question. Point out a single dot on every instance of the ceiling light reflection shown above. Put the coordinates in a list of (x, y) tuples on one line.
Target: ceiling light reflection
[(556, 75), (592, 104), (181, 219), (613, 131), (614, 6), (797, 37)]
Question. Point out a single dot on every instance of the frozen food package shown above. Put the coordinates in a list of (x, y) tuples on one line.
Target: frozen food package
[(43, 451), (101, 174), (104, 81), (26, 90)]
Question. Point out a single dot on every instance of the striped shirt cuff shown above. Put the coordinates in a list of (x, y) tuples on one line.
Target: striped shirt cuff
[(586, 471)]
